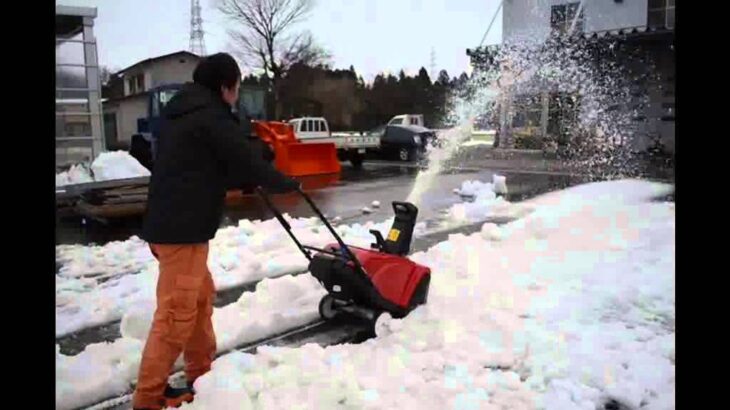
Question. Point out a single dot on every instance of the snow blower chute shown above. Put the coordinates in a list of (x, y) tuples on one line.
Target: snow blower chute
[(361, 282), (294, 158)]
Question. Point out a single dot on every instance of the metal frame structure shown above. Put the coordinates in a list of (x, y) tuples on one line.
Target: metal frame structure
[(91, 91)]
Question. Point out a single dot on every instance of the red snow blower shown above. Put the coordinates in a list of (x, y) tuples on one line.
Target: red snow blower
[(361, 282)]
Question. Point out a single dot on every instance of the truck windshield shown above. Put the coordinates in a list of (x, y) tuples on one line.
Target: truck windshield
[(166, 96), (160, 100)]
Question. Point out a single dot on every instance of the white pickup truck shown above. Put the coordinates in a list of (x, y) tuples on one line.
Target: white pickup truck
[(407, 119), (350, 146)]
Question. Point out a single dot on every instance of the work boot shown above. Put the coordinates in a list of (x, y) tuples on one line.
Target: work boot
[(176, 396)]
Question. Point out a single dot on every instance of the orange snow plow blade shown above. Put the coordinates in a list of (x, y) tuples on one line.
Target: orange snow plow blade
[(294, 158)]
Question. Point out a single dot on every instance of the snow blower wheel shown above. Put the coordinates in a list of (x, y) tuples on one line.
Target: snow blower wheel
[(327, 307)]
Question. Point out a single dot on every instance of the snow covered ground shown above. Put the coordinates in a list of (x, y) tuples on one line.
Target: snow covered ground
[(107, 166), (97, 284), (566, 308), (242, 254), (560, 309)]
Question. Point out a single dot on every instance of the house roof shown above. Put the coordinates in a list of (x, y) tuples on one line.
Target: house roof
[(114, 100), (62, 10), (149, 60), (628, 31)]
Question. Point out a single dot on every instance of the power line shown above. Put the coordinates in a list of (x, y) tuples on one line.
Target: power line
[(492, 22)]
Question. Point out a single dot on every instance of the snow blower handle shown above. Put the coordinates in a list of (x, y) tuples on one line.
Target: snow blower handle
[(282, 221), (345, 250), (343, 247)]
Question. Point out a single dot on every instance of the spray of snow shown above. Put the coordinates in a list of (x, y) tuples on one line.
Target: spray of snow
[(463, 107)]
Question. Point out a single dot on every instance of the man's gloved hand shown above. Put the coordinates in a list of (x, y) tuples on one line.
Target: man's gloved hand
[(290, 185), (268, 153)]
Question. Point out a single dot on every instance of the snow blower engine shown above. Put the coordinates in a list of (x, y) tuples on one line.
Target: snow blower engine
[(361, 282)]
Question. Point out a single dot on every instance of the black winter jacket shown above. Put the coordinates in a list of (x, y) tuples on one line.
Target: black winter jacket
[(203, 150)]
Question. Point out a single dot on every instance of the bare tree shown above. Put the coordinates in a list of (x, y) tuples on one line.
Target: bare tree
[(105, 73), (263, 37)]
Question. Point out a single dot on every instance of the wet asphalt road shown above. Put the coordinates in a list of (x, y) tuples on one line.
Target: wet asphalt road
[(344, 195)]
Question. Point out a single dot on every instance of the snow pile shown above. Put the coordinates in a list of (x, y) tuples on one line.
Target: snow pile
[(239, 254), (573, 307), (107, 166), (117, 165), (112, 259), (485, 202), (77, 174), (104, 370), (500, 184), (101, 369)]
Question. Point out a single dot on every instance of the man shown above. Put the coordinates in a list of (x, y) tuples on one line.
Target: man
[(202, 151)]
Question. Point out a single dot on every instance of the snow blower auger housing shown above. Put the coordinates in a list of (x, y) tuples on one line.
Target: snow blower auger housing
[(361, 282)]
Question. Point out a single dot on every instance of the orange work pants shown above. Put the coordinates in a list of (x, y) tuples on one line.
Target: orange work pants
[(182, 322)]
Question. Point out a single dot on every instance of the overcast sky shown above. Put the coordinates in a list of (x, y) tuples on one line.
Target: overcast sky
[(372, 35)]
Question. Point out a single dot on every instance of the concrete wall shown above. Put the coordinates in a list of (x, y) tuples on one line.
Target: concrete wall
[(170, 70), (127, 112), (174, 69), (603, 15), (531, 18)]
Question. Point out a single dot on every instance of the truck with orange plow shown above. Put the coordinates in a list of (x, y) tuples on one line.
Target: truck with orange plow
[(290, 156)]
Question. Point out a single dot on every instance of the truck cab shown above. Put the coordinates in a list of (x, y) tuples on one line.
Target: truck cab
[(407, 119), (310, 128), (350, 146), (251, 106)]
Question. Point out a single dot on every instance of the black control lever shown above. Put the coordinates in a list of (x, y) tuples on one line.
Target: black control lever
[(380, 242)]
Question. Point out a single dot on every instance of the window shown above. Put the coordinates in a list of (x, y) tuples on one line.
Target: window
[(562, 16), (136, 84), (305, 126), (73, 126), (70, 52), (311, 125), (323, 125), (414, 121), (71, 77), (317, 126), (661, 13), (140, 82), (397, 121)]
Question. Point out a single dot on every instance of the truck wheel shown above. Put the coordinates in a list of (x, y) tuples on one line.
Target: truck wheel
[(405, 154), (356, 160)]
